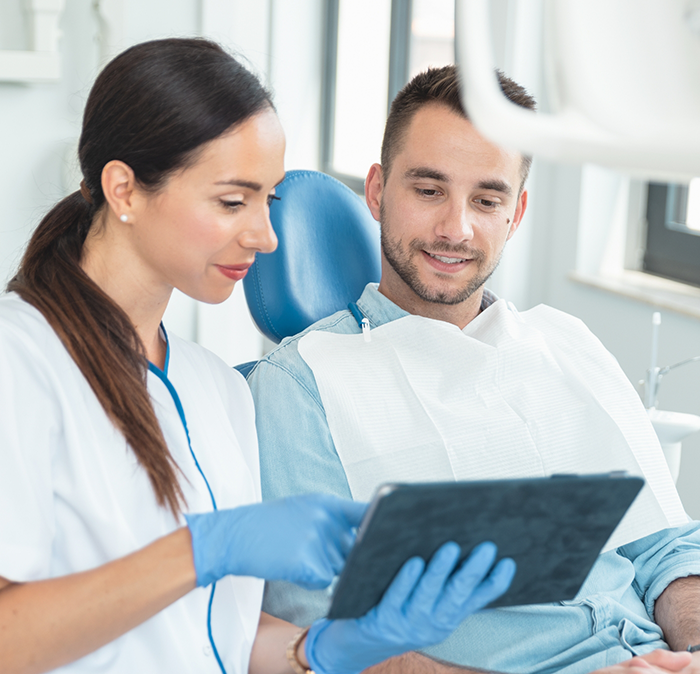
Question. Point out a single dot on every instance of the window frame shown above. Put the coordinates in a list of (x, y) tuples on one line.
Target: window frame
[(399, 45), (668, 252)]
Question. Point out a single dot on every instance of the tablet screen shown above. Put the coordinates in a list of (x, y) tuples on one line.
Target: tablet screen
[(553, 527)]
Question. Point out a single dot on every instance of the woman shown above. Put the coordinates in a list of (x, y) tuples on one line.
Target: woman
[(114, 435)]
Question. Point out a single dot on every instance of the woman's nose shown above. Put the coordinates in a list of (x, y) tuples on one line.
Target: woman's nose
[(260, 236)]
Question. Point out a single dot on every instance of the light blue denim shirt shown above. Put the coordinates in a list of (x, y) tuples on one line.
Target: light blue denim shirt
[(609, 621)]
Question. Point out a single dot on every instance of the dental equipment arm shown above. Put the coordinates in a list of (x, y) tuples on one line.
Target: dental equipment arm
[(602, 111)]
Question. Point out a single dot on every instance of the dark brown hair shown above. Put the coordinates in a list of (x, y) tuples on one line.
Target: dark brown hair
[(441, 86), (152, 107)]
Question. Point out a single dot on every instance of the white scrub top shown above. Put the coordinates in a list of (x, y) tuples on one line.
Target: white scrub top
[(73, 497)]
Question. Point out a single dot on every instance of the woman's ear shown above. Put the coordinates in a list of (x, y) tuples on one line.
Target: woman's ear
[(118, 186)]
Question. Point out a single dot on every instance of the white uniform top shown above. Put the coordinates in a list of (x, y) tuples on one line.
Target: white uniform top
[(72, 495)]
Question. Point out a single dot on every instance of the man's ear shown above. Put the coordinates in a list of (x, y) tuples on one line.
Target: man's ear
[(374, 186), (518, 215), (118, 186)]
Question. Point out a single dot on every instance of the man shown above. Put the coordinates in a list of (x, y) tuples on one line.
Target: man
[(448, 201)]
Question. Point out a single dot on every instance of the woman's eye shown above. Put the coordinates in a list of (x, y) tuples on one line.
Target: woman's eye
[(271, 198), (231, 205)]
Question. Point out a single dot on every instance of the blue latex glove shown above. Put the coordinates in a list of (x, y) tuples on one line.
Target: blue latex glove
[(418, 610), (301, 539)]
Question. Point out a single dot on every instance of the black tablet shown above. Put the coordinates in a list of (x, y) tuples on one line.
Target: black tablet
[(554, 528)]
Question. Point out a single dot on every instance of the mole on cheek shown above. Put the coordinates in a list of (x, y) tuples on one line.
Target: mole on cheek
[(507, 221)]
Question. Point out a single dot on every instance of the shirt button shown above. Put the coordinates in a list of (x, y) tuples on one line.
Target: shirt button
[(207, 650)]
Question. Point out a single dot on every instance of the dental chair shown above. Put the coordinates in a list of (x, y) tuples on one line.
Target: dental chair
[(328, 251)]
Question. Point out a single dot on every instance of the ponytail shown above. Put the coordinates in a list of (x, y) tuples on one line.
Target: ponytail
[(99, 337)]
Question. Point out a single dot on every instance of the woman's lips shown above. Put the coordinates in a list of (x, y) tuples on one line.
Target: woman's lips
[(234, 271)]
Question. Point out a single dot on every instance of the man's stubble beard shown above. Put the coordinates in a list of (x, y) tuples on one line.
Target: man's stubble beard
[(407, 271)]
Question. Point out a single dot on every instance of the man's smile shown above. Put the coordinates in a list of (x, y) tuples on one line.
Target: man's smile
[(447, 260)]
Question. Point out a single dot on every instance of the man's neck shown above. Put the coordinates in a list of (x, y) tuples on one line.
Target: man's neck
[(458, 314)]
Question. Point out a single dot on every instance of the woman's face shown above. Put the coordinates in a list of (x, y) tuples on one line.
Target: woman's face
[(200, 232)]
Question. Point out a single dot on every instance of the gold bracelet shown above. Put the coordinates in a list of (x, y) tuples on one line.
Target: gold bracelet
[(292, 657)]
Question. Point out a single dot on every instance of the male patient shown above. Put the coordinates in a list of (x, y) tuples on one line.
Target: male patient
[(448, 201)]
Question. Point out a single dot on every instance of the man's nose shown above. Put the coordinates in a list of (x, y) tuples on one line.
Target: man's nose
[(456, 225)]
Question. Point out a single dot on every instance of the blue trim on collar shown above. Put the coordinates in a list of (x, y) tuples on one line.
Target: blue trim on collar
[(167, 354), (181, 413)]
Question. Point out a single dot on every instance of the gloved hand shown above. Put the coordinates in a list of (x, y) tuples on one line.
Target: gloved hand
[(418, 610), (301, 539)]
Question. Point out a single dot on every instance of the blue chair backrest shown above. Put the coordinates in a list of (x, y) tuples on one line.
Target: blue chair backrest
[(328, 251)]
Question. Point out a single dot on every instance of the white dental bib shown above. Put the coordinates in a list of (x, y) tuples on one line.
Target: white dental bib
[(512, 395)]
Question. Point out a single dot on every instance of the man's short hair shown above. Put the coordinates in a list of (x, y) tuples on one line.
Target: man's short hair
[(441, 86)]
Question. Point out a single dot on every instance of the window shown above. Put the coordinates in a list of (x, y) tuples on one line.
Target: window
[(673, 231), (432, 37), (373, 47), (361, 83)]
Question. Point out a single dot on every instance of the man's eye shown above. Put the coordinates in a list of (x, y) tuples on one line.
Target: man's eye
[(486, 203), (271, 198), (427, 192)]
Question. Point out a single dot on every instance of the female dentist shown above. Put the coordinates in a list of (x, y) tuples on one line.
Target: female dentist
[(131, 534)]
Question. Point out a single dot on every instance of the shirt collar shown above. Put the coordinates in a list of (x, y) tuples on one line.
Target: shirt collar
[(380, 309)]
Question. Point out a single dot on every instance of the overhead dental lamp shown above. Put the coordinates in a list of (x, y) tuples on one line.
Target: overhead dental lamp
[(622, 81)]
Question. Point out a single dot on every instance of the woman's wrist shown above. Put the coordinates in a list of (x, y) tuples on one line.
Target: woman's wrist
[(296, 653), (301, 652)]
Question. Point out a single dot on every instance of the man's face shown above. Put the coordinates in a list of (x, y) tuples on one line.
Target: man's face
[(447, 208)]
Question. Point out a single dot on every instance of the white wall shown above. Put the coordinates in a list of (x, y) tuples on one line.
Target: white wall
[(40, 122), (622, 324)]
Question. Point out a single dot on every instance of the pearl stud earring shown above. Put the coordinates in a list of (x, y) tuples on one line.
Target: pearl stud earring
[(123, 217)]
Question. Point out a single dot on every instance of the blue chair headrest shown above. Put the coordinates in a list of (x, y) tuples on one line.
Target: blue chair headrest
[(328, 251)]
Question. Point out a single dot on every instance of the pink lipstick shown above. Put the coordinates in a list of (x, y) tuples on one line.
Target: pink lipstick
[(233, 271)]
